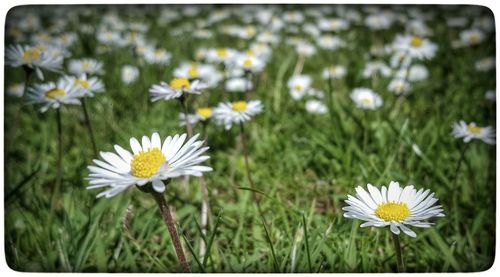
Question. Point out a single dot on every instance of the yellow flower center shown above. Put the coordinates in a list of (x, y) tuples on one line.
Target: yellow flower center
[(393, 211), (474, 39), (179, 83), (31, 54), (146, 163), (251, 52), (193, 71), (366, 101), (297, 87), (239, 106), (82, 83), (222, 52), (204, 112), (248, 63), (55, 92), (86, 65), (473, 129), (416, 41)]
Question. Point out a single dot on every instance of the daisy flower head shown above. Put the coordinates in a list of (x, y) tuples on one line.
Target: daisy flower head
[(150, 162), (314, 106), (472, 37), (16, 89), (88, 66), (201, 114), (88, 86), (34, 58), (490, 95), (372, 68), (220, 55), (129, 74), (157, 56), (249, 63), (366, 99), (333, 24), (485, 64), (229, 113), (417, 72), (395, 207), (471, 131), (52, 95), (239, 84), (378, 21), (175, 89), (330, 42), (334, 72), (415, 46), (298, 85), (399, 86)]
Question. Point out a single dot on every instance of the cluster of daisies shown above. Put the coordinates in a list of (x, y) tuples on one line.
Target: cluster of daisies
[(260, 31)]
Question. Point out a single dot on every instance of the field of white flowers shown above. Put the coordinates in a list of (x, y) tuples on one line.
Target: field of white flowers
[(249, 138)]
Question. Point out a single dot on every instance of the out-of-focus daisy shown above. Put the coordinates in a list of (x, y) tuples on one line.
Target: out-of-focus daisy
[(16, 90), (378, 22), (240, 84), (150, 162), (88, 86), (298, 85), (88, 66), (485, 64), (393, 207), (330, 42), (249, 63), (399, 86), (417, 72), (472, 37), (471, 131), (415, 46), (316, 107), (379, 67), (220, 55), (52, 95), (157, 56), (208, 73), (201, 114), (175, 89), (333, 24), (229, 113), (366, 98), (305, 49), (491, 95), (34, 58), (334, 72), (129, 74), (268, 37), (293, 17)]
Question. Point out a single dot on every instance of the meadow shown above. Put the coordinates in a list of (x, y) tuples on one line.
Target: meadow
[(304, 162)]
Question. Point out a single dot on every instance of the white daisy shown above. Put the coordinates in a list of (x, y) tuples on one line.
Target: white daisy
[(249, 63), (87, 85), (334, 72), (220, 55), (316, 107), (16, 90), (472, 37), (395, 207), (490, 95), (151, 162), (89, 66), (298, 86), (372, 68), (240, 84), (157, 56), (227, 113), (176, 88), (34, 58), (333, 24), (330, 42), (417, 72), (472, 131), (129, 74), (399, 86), (201, 114), (52, 95), (366, 98), (485, 64), (378, 21), (415, 46)]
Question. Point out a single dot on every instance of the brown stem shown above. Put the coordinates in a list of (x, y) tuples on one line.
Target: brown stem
[(169, 221)]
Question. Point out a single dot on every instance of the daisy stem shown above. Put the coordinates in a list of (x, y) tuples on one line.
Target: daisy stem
[(55, 192), (204, 205), (365, 130), (454, 184), (189, 128), (247, 167), (399, 257), (169, 221), (89, 126)]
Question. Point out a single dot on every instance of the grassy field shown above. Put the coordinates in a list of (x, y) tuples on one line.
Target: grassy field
[(303, 164)]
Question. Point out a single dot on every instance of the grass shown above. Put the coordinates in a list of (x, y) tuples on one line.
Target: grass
[(303, 166)]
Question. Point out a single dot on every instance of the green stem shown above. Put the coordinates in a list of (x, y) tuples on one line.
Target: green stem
[(56, 188), (399, 256), (89, 126)]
